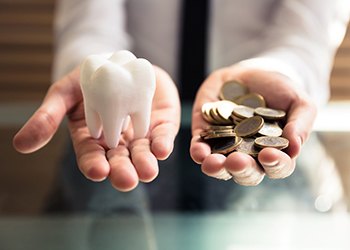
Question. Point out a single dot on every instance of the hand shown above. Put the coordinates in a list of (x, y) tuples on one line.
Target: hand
[(133, 160), (279, 93)]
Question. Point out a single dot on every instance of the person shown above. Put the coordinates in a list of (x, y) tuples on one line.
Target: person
[(281, 49)]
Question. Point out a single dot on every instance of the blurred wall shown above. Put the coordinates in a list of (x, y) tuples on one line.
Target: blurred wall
[(25, 48), (25, 65), (340, 79)]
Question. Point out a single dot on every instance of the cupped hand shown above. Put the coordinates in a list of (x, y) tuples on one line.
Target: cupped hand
[(127, 164), (279, 93)]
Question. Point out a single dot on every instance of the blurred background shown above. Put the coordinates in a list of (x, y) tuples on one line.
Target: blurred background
[(26, 45)]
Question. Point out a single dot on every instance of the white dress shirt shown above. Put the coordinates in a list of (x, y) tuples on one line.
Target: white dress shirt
[(295, 37)]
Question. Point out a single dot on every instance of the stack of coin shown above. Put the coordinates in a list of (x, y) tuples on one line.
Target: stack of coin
[(240, 121)]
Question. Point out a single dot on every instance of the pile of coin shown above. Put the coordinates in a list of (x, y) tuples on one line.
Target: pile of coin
[(241, 122)]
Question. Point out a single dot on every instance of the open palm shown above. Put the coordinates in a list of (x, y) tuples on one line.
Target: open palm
[(279, 93), (132, 160)]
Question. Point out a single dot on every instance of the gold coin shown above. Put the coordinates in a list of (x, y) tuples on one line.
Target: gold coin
[(219, 127), (214, 135), (214, 116), (211, 115), (232, 89), (270, 114), (271, 142), (252, 100), (225, 145), (206, 107), (211, 133), (217, 118), (220, 131), (203, 134), (243, 112), (248, 147), (225, 108), (271, 129), (249, 127), (236, 120)]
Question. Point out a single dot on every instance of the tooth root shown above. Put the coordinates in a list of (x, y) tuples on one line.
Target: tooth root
[(140, 122), (126, 123), (108, 102), (112, 126), (144, 82), (93, 122)]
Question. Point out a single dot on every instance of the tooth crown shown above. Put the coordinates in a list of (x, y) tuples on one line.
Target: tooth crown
[(114, 87)]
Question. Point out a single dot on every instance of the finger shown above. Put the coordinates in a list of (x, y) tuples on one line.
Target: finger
[(199, 150), (162, 140), (90, 154), (299, 126), (166, 112), (123, 175), (277, 164), (244, 169), (40, 128), (143, 160), (213, 166)]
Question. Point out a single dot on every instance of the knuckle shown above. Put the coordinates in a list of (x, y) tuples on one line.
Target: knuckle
[(48, 122)]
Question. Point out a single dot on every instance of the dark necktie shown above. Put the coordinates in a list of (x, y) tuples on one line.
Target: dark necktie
[(192, 65), (193, 46)]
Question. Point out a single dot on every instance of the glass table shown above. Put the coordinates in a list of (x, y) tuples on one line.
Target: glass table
[(170, 231)]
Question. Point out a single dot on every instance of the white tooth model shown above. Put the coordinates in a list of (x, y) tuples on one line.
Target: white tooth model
[(114, 87)]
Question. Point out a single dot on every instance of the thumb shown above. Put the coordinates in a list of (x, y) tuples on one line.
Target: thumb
[(40, 128), (299, 125)]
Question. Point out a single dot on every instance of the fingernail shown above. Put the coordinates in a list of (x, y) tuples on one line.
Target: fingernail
[(223, 174), (272, 164), (300, 141)]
